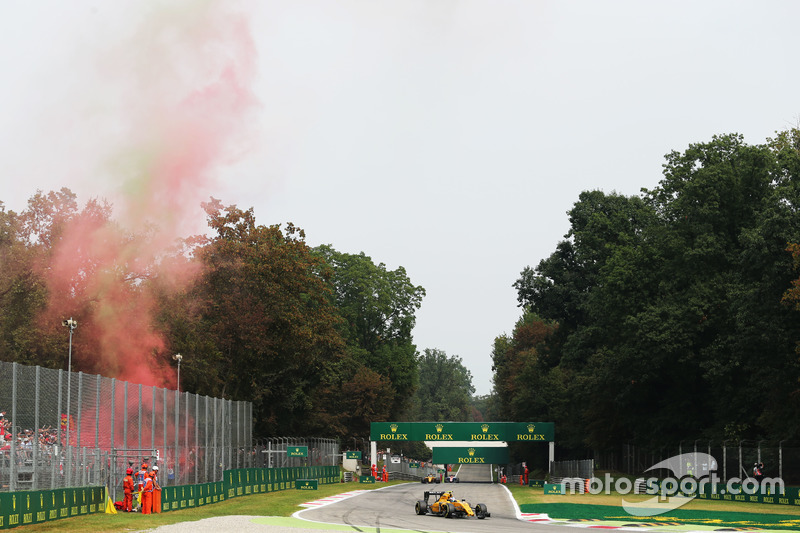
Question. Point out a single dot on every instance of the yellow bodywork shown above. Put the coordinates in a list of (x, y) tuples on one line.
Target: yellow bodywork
[(461, 506), (448, 506)]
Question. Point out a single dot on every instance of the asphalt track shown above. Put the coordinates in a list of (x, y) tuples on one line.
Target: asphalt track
[(391, 510), (392, 507)]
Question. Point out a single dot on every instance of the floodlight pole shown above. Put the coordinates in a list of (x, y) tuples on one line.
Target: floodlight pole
[(178, 357), (71, 324)]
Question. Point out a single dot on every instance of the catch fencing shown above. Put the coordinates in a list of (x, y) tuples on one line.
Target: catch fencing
[(733, 459), (583, 469), (406, 470), (274, 452), (64, 429)]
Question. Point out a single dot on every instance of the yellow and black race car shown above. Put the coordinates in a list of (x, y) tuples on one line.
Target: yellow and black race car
[(431, 478), (447, 506)]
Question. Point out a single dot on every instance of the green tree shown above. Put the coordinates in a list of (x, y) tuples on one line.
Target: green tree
[(667, 304), (267, 330), (445, 388), (378, 307), (49, 269), (23, 295)]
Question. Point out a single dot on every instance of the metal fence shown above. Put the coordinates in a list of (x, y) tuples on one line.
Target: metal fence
[(404, 470), (734, 459), (274, 452), (583, 469), (65, 429)]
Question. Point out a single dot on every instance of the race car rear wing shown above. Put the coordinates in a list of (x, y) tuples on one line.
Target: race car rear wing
[(429, 493)]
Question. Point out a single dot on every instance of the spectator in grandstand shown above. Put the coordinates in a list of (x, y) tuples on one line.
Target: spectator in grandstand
[(26, 441), (758, 472)]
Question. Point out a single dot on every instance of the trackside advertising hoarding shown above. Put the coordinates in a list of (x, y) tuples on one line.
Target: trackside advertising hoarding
[(34, 507), (470, 456), (463, 431)]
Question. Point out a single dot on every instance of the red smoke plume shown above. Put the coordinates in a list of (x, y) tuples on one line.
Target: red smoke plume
[(182, 90)]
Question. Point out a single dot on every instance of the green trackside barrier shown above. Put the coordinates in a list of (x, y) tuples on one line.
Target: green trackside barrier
[(188, 496), (306, 484), (34, 507), (553, 488), (789, 496), (536, 483), (244, 481)]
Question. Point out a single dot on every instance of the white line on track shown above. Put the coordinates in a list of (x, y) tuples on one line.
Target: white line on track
[(332, 499)]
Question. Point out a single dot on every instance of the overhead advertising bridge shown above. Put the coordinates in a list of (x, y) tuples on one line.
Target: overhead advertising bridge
[(465, 443)]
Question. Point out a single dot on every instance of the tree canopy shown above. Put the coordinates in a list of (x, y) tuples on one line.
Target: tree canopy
[(663, 311), (319, 341), (445, 388), (378, 307)]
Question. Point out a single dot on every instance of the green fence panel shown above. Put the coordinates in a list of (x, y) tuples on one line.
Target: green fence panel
[(254, 488), (230, 484), (238, 481), (35, 507), (180, 497), (249, 481)]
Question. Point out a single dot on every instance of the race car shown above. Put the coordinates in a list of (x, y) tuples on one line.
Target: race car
[(450, 478), (430, 478), (447, 506)]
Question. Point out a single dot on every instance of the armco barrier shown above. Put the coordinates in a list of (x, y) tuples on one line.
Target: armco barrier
[(34, 507)]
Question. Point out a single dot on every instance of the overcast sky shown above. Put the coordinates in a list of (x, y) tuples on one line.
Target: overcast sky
[(447, 137)]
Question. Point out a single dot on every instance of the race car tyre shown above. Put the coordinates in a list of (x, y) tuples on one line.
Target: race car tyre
[(424, 480), (480, 511), (436, 480), (450, 510), (455, 480), (421, 507)]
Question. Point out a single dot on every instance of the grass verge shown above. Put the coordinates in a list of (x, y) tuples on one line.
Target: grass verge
[(608, 507), (525, 495), (284, 503), (281, 503)]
